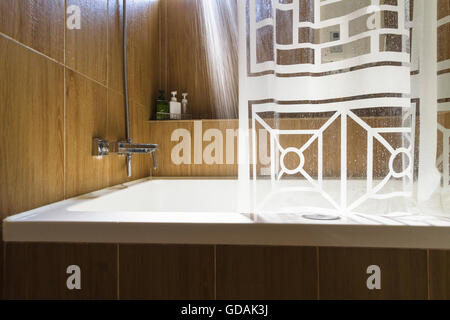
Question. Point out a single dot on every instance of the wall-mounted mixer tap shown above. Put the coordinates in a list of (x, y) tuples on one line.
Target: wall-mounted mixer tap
[(102, 147)]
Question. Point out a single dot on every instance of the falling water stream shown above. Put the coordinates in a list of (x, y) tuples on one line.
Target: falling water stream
[(220, 30)]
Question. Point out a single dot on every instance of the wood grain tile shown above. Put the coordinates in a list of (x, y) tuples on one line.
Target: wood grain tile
[(86, 48), (439, 274), (266, 273), (86, 118), (39, 270), (163, 132), (143, 51), (166, 272), (443, 8), (184, 59), (444, 42), (343, 273), (31, 129), (38, 24)]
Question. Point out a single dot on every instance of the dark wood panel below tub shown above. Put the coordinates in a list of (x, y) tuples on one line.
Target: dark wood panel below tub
[(439, 274), (165, 272), (255, 272), (2, 265), (40, 271), (344, 273)]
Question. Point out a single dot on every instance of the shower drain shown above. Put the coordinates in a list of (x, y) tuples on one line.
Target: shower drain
[(322, 217)]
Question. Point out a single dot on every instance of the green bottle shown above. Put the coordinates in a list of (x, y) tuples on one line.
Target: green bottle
[(162, 107)]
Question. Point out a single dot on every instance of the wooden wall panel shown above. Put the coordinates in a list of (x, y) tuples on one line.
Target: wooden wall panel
[(39, 270), (161, 133), (93, 55), (439, 274), (183, 55), (86, 118), (443, 8), (444, 42), (86, 48), (166, 272), (143, 51), (343, 273), (38, 24), (31, 129), (49, 131), (252, 273)]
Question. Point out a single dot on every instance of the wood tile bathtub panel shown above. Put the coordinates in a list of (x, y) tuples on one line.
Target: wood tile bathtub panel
[(86, 48), (266, 272), (86, 118), (439, 274), (166, 272), (2, 265), (31, 130), (343, 273), (38, 24), (39, 270)]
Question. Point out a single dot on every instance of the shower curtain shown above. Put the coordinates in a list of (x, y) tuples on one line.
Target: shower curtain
[(333, 91)]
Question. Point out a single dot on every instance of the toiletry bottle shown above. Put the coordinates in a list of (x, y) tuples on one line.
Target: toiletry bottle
[(184, 104), (162, 107), (175, 107)]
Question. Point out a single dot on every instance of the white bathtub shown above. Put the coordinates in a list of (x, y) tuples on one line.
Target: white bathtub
[(210, 212)]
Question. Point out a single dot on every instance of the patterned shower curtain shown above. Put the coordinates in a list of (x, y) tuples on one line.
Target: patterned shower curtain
[(335, 86)]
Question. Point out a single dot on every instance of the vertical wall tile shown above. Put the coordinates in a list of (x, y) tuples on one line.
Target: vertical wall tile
[(266, 273), (184, 61), (38, 24), (31, 129), (143, 50), (39, 270), (439, 273), (86, 118), (86, 48), (343, 273), (166, 272)]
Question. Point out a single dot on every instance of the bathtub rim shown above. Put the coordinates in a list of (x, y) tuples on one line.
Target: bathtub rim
[(267, 234)]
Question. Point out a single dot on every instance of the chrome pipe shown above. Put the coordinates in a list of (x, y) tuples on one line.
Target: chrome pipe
[(125, 73)]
